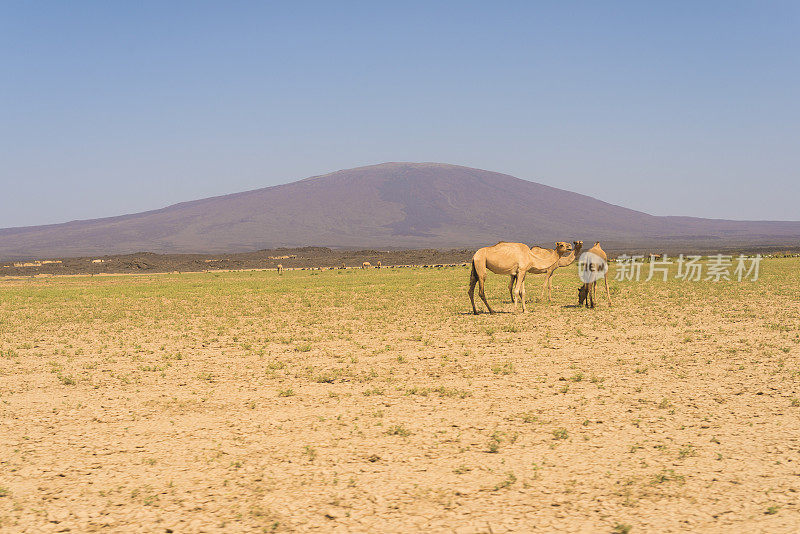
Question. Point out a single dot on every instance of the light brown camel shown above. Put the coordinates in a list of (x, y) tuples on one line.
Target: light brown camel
[(366, 265), (515, 259), (563, 261), (378, 266), (280, 268), (587, 291)]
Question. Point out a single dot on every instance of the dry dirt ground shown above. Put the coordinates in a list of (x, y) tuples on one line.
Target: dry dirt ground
[(371, 401)]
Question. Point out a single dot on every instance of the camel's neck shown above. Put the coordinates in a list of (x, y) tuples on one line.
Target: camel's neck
[(563, 261), (543, 258)]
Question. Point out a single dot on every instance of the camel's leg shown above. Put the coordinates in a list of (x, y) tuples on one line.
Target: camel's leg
[(515, 291), (594, 292), (511, 284), (544, 286), (514, 298), (608, 293), (482, 293), (473, 279), (588, 300), (518, 291), (522, 294), (548, 283), (479, 268)]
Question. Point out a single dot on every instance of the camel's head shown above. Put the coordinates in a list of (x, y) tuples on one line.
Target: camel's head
[(583, 292), (577, 246), (562, 248)]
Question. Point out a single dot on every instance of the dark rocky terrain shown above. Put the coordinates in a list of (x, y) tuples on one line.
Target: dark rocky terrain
[(290, 258), (300, 258)]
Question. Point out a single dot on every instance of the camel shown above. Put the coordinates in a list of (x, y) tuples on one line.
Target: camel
[(563, 261), (587, 291), (366, 265), (280, 268), (516, 259), (378, 266)]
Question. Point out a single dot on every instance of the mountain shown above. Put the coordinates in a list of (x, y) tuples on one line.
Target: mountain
[(392, 205)]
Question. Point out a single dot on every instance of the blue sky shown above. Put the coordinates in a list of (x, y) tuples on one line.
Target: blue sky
[(674, 108)]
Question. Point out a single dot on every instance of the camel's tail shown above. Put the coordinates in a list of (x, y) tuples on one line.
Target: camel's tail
[(473, 273)]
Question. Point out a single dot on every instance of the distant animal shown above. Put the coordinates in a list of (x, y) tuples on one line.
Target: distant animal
[(366, 265), (563, 261), (515, 259), (587, 291), (378, 266), (280, 268)]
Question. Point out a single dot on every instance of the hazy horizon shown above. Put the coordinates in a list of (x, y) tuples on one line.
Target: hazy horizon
[(686, 110)]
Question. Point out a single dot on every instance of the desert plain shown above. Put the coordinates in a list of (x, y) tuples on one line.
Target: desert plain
[(374, 401)]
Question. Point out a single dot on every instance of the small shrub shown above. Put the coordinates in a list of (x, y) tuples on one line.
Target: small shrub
[(398, 430), (510, 479), (503, 369)]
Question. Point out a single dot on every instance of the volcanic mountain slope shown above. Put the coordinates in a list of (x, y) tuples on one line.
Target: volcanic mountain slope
[(392, 205)]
